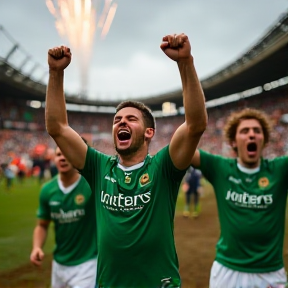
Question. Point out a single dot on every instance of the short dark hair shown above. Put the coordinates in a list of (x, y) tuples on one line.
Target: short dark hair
[(149, 120)]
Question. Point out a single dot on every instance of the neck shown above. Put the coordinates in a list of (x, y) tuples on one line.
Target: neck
[(68, 178), (130, 160), (249, 165)]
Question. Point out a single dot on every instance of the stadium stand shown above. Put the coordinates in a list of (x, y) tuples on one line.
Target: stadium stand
[(259, 78)]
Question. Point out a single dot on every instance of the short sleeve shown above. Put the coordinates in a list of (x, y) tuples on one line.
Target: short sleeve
[(43, 211)]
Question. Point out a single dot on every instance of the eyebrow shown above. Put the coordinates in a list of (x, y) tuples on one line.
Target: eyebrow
[(127, 116), (254, 127)]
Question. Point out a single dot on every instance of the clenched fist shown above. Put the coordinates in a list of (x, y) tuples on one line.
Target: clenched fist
[(36, 256), (176, 47), (59, 58)]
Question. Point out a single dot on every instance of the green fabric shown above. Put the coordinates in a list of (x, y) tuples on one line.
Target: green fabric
[(135, 211), (251, 210), (74, 220)]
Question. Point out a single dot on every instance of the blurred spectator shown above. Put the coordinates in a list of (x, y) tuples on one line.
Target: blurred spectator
[(191, 187), (9, 176), (20, 135)]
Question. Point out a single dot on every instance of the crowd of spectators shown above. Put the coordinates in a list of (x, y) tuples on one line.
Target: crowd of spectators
[(22, 141)]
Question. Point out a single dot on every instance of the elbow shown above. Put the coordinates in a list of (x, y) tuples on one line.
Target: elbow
[(197, 129), (53, 128), (52, 131)]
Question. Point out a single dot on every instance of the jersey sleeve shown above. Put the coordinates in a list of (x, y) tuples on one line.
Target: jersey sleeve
[(279, 164), (43, 211), (167, 167), (93, 165), (209, 165)]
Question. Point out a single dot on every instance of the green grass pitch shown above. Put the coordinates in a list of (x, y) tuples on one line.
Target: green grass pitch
[(17, 220)]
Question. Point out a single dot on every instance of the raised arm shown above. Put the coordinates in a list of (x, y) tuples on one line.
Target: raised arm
[(196, 159), (187, 136), (69, 142)]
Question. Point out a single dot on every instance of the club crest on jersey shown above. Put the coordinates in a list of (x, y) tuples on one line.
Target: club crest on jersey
[(127, 179), (144, 179), (79, 199), (263, 182)]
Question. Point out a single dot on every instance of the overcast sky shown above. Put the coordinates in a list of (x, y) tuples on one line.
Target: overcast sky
[(128, 63)]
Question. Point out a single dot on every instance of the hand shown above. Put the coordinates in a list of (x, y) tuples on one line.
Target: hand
[(59, 58), (176, 47), (185, 187), (37, 256)]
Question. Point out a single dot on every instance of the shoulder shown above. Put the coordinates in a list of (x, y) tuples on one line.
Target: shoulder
[(159, 156), (281, 161), (83, 183), (208, 155), (50, 184), (93, 153)]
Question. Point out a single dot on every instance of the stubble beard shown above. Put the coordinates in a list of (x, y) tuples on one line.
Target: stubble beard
[(132, 149)]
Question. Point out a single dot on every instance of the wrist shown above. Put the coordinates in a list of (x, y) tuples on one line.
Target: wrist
[(186, 60), (56, 71)]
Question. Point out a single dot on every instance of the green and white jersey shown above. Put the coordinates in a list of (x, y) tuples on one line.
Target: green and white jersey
[(74, 220), (135, 211), (251, 210)]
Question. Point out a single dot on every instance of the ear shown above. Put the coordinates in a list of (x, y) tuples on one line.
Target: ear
[(233, 144), (149, 133)]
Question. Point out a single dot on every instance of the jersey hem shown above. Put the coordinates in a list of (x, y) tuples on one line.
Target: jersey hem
[(250, 270), (74, 263)]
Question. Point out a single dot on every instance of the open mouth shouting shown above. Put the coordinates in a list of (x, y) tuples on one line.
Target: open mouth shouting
[(252, 149), (123, 136)]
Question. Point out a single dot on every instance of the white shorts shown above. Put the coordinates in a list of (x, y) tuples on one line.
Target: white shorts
[(223, 277), (78, 276)]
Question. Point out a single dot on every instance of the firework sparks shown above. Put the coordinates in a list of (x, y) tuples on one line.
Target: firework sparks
[(77, 20)]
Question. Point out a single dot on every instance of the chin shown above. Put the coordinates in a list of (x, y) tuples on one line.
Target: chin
[(252, 162), (64, 171), (123, 152), (127, 151)]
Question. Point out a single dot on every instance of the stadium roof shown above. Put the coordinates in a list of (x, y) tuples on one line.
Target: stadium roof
[(263, 63)]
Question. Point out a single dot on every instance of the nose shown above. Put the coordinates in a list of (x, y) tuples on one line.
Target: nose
[(122, 122), (251, 134), (62, 158)]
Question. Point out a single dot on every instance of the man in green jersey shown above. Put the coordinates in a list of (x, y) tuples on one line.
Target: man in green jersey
[(135, 194), (65, 200), (251, 197)]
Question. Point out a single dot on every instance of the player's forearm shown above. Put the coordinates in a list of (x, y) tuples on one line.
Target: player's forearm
[(39, 236), (193, 97), (55, 110)]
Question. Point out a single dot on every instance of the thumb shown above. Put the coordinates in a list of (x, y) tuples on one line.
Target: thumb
[(40, 255), (164, 45)]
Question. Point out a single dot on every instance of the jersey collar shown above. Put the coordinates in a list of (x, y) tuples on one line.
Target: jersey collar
[(248, 170)]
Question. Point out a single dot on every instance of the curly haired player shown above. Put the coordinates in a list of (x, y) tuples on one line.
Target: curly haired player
[(251, 196)]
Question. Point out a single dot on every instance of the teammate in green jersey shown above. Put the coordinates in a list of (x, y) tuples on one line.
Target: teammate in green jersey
[(135, 194), (251, 197), (65, 200)]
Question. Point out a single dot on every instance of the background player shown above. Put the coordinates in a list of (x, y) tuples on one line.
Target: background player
[(251, 196), (191, 187), (65, 200)]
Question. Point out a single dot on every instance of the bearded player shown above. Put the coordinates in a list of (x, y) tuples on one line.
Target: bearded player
[(135, 194)]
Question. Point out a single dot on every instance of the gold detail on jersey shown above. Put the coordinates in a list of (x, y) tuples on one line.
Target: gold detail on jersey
[(263, 182), (127, 179), (144, 179), (79, 199)]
